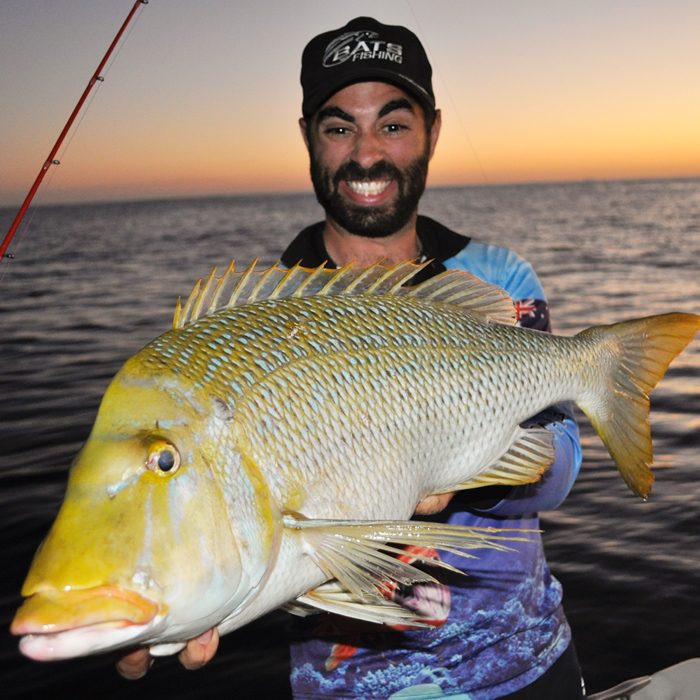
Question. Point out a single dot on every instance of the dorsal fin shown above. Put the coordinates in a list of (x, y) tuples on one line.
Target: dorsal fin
[(233, 288), (459, 288)]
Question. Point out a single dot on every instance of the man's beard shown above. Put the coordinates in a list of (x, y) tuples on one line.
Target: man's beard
[(369, 221)]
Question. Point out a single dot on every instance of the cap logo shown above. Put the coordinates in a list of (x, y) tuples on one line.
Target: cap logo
[(360, 46)]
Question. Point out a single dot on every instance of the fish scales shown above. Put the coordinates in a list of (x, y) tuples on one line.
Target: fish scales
[(263, 451), (400, 380)]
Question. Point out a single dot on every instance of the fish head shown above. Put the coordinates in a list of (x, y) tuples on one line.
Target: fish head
[(144, 549)]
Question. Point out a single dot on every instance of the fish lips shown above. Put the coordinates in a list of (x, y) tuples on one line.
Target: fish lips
[(62, 624)]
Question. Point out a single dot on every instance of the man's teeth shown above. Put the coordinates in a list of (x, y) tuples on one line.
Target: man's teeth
[(368, 188)]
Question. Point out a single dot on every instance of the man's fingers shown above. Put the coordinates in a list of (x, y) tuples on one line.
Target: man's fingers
[(197, 653), (200, 651), (134, 665), (433, 504)]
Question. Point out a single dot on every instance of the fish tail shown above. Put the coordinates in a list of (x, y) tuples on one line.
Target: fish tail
[(636, 355)]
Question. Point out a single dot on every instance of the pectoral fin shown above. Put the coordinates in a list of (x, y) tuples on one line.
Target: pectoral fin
[(361, 557)]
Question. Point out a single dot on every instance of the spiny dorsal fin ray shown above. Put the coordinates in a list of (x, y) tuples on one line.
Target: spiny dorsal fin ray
[(204, 294), (454, 287)]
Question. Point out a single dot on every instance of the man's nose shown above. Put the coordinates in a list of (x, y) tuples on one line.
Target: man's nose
[(368, 150)]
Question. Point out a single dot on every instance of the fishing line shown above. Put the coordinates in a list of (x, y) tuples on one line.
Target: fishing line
[(79, 110), (100, 79), (38, 201), (450, 99)]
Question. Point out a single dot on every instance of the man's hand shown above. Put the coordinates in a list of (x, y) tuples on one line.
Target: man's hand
[(200, 651), (197, 653), (434, 503), (134, 665)]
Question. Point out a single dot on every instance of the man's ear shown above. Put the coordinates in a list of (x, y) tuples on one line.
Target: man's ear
[(304, 133), (435, 131)]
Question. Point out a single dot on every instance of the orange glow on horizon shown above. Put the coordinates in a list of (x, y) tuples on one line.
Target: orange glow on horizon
[(206, 102), (230, 169)]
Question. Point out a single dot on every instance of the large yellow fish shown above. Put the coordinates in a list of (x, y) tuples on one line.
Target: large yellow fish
[(264, 451)]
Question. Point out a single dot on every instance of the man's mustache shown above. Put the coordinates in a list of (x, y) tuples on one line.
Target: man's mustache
[(380, 170)]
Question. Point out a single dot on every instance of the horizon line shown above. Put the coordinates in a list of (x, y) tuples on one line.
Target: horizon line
[(296, 192)]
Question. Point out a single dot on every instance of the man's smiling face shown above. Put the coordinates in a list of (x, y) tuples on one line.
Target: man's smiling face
[(369, 147)]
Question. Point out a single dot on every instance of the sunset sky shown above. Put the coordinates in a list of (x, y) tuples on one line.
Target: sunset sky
[(203, 96)]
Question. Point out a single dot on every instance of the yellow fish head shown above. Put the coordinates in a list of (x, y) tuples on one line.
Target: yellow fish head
[(143, 549)]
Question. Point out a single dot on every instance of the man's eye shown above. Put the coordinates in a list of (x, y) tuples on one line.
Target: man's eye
[(394, 128), (337, 131)]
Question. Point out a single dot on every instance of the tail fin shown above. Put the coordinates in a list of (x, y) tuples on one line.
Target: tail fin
[(637, 354)]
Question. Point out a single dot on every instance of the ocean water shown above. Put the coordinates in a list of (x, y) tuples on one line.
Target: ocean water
[(91, 284)]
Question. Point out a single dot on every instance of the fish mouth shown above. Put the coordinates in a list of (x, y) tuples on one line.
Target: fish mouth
[(47, 617)]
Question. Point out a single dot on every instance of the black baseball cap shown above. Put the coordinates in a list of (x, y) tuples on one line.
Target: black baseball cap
[(364, 49)]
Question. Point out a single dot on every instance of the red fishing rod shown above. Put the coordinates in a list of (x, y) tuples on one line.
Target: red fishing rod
[(51, 159)]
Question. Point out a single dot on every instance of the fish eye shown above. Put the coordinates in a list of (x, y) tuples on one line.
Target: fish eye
[(163, 458)]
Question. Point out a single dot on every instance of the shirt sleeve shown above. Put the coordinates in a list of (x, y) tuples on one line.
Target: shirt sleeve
[(516, 276)]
